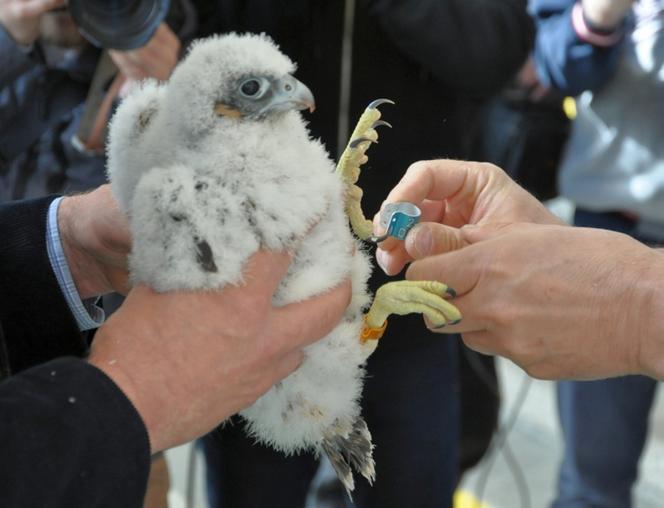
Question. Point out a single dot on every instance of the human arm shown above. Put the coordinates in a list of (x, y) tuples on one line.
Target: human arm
[(165, 369), (21, 18), (560, 302), (572, 56), (96, 238), (470, 47), (35, 318), (557, 300), (74, 451), (19, 28), (156, 59)]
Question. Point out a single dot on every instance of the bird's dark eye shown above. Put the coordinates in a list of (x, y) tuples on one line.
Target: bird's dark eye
[(250, 87)]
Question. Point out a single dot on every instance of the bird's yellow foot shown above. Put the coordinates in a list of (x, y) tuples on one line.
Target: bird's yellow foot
[(409, 297), (353, 157)]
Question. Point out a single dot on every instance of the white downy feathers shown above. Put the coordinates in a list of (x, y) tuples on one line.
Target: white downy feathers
[(205, 191)]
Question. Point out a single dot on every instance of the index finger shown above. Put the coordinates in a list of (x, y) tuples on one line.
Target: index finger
[(434, 180), (461, 270), (36, 7)]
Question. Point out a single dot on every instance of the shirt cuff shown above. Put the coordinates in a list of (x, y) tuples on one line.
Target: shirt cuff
[(587, 34), (88, 315)]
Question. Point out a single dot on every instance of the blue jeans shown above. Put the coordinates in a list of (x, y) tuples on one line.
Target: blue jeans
[(604, 423), (411, 404)]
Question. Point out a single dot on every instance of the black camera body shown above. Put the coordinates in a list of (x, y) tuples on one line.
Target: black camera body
[(118, 24)]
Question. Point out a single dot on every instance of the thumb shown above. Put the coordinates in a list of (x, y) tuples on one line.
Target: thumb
[(263, 272), (430, 238)]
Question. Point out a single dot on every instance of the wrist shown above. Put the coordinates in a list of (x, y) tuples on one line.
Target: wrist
[(651, 308), (604, 17), (89, 279), (24, 36)]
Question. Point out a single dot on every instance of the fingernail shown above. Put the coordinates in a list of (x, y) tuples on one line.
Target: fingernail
[(382, 259), (423, 241)]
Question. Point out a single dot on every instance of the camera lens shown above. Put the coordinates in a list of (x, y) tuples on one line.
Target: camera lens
[(118, 24)]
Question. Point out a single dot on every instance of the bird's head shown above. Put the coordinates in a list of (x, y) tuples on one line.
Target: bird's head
[(235, 77)]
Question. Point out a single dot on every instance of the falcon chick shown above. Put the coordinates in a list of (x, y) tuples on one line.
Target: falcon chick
[(214, 165)]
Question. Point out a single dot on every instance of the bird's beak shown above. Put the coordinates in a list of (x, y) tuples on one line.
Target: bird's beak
[(289, 93)]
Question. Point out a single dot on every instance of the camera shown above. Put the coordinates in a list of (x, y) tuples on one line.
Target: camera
[(118, 24)]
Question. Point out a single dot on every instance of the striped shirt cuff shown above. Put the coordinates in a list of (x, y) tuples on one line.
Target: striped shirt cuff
[(586, 34), (88, 315)]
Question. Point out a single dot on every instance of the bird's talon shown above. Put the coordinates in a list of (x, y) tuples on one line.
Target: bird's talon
[(451, 293), (378, 102), (356, 142), (381, 123)]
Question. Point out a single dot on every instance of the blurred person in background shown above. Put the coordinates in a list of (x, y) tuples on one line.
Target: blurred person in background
[(611, 54), (439, 61), (47, 70), (525, 132), (57, 92)]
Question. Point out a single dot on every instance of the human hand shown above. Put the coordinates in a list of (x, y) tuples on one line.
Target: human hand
[(560, 302), (156, 59), (21, 17), (451, 194), (96, 241), (606, 14), (189, 360)]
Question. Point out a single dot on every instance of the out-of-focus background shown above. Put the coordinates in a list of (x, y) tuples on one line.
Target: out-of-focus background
[(521, 475)]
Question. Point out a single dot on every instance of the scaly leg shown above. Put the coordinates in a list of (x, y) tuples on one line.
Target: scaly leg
[(402, 297), (407, 297), (353, 157)]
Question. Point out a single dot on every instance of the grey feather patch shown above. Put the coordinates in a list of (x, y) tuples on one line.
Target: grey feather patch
[(205, 257), (355, 450), (339, 464), (360, 450)]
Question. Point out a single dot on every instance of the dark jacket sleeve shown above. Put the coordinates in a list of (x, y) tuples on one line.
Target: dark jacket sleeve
[(563, 60), (13, 60), (469, 46), (35, 318), (69, 438), (68, 435)]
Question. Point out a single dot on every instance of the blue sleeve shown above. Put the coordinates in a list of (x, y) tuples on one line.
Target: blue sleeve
[(564, 61), (86, 313), (14, 60)]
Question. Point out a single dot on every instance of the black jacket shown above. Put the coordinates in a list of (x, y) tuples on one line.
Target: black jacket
[(68, 436)]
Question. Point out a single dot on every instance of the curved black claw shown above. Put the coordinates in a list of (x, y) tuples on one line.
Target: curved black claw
[(358, 141), (381, 123), (451, 293), (455, 322), (378, 102)]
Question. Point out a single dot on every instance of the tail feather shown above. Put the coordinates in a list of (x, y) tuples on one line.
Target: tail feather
[(354, 450), (360, 450), (340, 465)]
